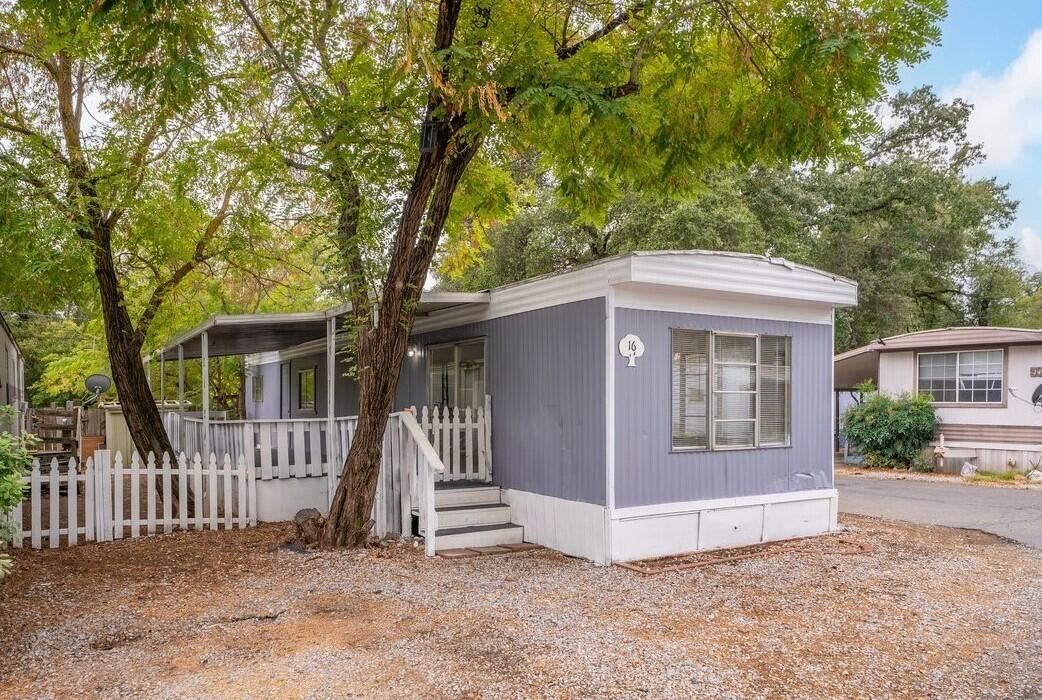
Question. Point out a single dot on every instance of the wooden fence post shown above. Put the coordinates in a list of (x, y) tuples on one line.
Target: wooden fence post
[(103, 496)]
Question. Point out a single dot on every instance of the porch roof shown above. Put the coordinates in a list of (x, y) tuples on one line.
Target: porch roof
[(242, 334)]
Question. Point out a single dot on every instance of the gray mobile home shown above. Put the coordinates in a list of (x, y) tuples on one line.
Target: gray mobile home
[(644, 405)]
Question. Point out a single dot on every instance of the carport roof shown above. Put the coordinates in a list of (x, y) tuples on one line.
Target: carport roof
[(244, 334)]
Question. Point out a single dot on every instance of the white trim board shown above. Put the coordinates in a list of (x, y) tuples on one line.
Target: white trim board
[(997, 446), (571, 527), (660, 509), (657, 297), (678, 528)]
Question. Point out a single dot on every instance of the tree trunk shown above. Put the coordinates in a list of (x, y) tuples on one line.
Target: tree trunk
[(381, 351), (135, 396)]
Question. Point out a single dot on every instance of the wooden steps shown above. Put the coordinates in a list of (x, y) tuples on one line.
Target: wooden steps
[(472, 514)]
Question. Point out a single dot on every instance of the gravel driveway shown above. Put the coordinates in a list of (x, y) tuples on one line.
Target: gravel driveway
[(1007, 512), (924, 612)]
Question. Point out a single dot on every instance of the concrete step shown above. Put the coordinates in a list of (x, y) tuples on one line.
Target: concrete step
[(469, 495), (478, 536), (477, 514)]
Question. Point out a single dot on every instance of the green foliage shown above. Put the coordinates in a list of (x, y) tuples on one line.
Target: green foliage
[(890, 432), (183, 109), (902, 214), (989, 476), (14, 460)]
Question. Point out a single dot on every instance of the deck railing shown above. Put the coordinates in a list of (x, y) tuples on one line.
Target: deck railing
[(418, 450), (420, 466), (293, 447), (462, 438)]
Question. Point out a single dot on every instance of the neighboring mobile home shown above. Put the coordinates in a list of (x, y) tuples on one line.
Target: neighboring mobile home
[(12, 377), (983, 382), (644, 405)]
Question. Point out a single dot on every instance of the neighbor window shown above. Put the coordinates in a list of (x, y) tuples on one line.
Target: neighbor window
[(730, 390), (961, 377), (258, 388), (306, 389)]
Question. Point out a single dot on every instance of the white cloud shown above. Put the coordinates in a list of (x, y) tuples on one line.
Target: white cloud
[(1031, 247), (1007, 115)]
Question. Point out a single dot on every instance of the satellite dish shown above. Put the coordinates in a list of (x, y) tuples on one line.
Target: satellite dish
[(1036, 395), (98, 384)]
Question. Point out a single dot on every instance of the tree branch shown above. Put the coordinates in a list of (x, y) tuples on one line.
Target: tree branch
[(298, 82), (566, 52), (199, 256)]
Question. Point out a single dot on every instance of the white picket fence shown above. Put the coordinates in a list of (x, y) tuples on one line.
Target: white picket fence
[(462, 438), (103, 500), (293, 448)]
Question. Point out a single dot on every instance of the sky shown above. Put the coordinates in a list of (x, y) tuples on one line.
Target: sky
[(991, 56)]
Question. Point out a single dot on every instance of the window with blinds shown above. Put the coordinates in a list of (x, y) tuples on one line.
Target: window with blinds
[(730, 391), (775, 370), (690, 385)]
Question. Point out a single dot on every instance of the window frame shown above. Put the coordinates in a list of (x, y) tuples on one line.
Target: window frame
[(313, 371), (258, 383), (964, 404), (712, 392), (455, 345)]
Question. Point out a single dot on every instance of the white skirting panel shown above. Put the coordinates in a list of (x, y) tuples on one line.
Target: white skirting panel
[(675, 528), (571, 527), (280, 499)]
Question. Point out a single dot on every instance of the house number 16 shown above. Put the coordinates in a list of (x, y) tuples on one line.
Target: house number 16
[(632, 347)]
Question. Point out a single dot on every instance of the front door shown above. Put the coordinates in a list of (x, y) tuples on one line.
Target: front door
[(456, 374)]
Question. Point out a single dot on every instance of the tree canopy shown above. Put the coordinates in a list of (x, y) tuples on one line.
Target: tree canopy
[(902, 214)]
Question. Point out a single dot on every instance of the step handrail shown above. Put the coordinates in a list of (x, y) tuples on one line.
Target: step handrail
[(434, 465)]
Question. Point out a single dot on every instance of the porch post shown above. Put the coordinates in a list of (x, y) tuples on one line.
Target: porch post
[(332, 439), (162, 381), (180, 378), (206, 396)]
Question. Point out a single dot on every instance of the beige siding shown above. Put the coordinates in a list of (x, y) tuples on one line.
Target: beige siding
[(896, 373), (1018, 409)]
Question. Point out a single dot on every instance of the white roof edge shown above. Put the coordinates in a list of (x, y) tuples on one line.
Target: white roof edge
[(784, 262), (746, 274)]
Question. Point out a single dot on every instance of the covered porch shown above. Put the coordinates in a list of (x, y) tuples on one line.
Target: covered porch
[(298, 459)]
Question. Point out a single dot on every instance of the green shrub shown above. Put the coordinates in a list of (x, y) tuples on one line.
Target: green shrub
[(890, 432), (14, 460)]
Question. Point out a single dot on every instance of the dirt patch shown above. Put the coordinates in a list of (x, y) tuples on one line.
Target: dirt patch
[(920, 611)]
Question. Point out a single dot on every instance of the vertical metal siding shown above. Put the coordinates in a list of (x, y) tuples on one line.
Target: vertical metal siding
[(269, 407), (276, 383), (647, 471), (546, 375)]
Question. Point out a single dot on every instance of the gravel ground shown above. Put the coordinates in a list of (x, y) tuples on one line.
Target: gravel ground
[(926, 612)]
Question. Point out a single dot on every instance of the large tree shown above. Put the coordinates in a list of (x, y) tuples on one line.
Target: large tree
[(408, 116), (119, 161), (900, 212)]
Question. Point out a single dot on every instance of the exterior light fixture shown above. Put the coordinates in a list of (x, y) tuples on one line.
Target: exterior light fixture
[(412, 352), (428, 136)]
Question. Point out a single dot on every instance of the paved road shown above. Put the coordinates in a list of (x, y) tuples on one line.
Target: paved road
[(1012, 513)]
